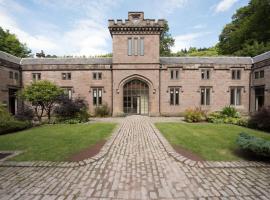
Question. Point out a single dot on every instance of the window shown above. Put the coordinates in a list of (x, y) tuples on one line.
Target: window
[(174, 96), (11, 75), (130, 46), (36, 76), (66, 76), (97, 96), (141, 46), (205, 73), (205, 96), (174, 74), (68, 91), (259, 74), (16, 76), (97, 75), (136, 46), (256, 75), (262, 74), (236, 74), (236, 96)]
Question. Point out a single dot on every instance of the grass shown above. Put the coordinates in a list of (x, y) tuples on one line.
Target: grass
[(55, 142), (210, 141)]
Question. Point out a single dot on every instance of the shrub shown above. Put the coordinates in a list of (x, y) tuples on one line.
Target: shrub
[(225, 116), (195, 115), (102, 111), (261, 119), (259, 146), (26, 114), (13, 125), (229, 111), (69, 109), (215, 117), (9, 124)]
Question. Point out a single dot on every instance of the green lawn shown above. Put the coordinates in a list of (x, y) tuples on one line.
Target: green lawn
[(55, 142), (209, 141)]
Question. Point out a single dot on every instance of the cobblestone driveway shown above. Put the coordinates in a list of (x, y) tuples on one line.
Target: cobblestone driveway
[(137, 166)]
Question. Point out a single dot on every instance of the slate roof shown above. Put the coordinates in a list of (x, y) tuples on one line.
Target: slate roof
[(261, 57), (9, 57), (66, 61), (108, 61), (205, 60)]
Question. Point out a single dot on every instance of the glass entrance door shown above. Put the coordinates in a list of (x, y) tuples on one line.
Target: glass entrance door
[(135, 97)]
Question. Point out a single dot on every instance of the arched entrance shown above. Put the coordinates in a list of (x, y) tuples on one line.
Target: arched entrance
[(136, 97)]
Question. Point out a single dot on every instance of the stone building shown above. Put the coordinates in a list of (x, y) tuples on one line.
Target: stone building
[(136, 80)]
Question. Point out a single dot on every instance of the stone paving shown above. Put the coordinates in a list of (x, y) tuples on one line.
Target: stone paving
[(138, 165)]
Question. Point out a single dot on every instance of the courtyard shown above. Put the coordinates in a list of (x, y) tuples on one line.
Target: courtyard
[(136, 162)]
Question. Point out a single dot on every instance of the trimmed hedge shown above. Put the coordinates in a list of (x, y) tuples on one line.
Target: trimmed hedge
[(13, 125), (258, 146)]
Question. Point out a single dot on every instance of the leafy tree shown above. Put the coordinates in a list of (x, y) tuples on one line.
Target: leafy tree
[(43, 95), (166, 41), (249, 32), (9, 43), (193, 51)]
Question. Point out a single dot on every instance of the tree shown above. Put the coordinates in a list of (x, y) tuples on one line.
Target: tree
[(249, 32), (43, 95), (166, 41), (193, 51), (9, 43)]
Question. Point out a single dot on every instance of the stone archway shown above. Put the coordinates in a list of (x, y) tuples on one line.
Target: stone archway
[(136, 97)]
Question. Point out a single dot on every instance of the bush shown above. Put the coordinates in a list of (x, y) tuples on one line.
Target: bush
[(195, 115), (13, 125), (102, 111), (229, 111), (228, 115), (215, 117), (26, 114), (259, 146), (69, 109), (9, 124), (261, 119)]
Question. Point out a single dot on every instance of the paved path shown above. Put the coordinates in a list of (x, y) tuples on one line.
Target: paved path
[(136, 167)]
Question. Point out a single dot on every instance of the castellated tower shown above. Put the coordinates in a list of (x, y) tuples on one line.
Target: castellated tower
[(136, 40)]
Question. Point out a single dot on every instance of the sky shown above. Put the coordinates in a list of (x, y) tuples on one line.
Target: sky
[(80, 27)]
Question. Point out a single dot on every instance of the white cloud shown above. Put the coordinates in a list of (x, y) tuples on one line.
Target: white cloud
[(199, 26), (187, 40), (224, 5), (85, 35), (166, 7), (33, 41)]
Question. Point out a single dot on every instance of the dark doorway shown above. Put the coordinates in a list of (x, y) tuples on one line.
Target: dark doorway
[(12, 102), (135, 97), (259, 97)]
